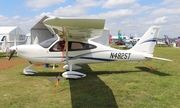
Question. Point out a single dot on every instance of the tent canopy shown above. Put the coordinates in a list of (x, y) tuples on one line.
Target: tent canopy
[(40, 24), (40, 31), (11, 30)]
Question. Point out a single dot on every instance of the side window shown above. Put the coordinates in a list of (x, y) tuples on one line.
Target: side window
[(72, 46), (76, 46)]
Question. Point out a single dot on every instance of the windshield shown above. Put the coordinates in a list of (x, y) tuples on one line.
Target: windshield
[(48, 42)]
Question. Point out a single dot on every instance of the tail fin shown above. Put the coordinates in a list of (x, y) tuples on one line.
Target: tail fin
[(148, 41), (119, 36)]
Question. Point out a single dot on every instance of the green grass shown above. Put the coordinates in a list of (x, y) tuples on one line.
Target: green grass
[(107, 85)]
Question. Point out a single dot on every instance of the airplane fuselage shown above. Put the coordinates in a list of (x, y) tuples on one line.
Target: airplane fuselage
[(99, 53)]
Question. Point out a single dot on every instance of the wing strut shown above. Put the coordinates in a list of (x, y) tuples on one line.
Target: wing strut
[(67, 36)]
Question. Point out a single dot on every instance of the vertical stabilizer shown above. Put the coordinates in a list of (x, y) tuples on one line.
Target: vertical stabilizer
[(148, 41)]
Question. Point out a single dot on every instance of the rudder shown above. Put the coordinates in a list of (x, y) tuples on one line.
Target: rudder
[(148, 41)]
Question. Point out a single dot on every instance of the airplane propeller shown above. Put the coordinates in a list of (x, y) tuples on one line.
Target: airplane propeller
[(11, 54)]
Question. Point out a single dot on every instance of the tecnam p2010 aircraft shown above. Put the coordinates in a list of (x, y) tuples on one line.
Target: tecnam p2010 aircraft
[(73, 36)]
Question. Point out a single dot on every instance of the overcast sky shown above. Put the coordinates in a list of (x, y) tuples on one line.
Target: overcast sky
[(129, 16)]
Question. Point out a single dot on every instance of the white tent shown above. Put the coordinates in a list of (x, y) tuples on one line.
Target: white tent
[(40, 31), (13, 34)]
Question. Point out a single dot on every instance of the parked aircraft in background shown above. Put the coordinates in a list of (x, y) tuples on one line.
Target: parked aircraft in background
[(72, 45), (125, 41)]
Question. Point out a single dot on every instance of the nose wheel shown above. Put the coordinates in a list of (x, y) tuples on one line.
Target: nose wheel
[(28, 71)]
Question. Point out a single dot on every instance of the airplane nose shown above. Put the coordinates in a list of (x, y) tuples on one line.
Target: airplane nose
[(13, 48), (21, 49)]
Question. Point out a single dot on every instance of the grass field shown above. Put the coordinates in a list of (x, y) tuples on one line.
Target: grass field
[(107, 85)]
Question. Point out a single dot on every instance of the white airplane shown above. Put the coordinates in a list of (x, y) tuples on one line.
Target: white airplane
[(75, 34)]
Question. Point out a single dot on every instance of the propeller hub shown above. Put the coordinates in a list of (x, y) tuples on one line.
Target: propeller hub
[(11, 54)]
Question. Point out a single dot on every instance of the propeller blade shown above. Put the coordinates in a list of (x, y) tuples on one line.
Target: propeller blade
[(11, 54)]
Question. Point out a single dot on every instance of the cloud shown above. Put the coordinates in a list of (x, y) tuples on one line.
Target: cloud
[(89, 3), (3, 18), (69, 11), (9, 21), (129, 16), (16, 17), (132, 18), (24, 23), (159, 21), (38, 17), (39, 4), (79, 9), (117, 3), (117, 14), (166, 11), (171, 2)]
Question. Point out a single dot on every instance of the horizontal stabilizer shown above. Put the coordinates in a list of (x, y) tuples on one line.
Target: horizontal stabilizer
[(158, 58)]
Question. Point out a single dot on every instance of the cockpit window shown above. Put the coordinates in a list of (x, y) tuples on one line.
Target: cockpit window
[(48, 42), (72, 46), (59, 46)]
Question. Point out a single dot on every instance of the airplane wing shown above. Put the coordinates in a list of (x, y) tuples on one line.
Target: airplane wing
[(75, 28)]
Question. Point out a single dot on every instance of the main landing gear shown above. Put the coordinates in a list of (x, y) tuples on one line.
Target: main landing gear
[(68, 74), (72, 74)]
